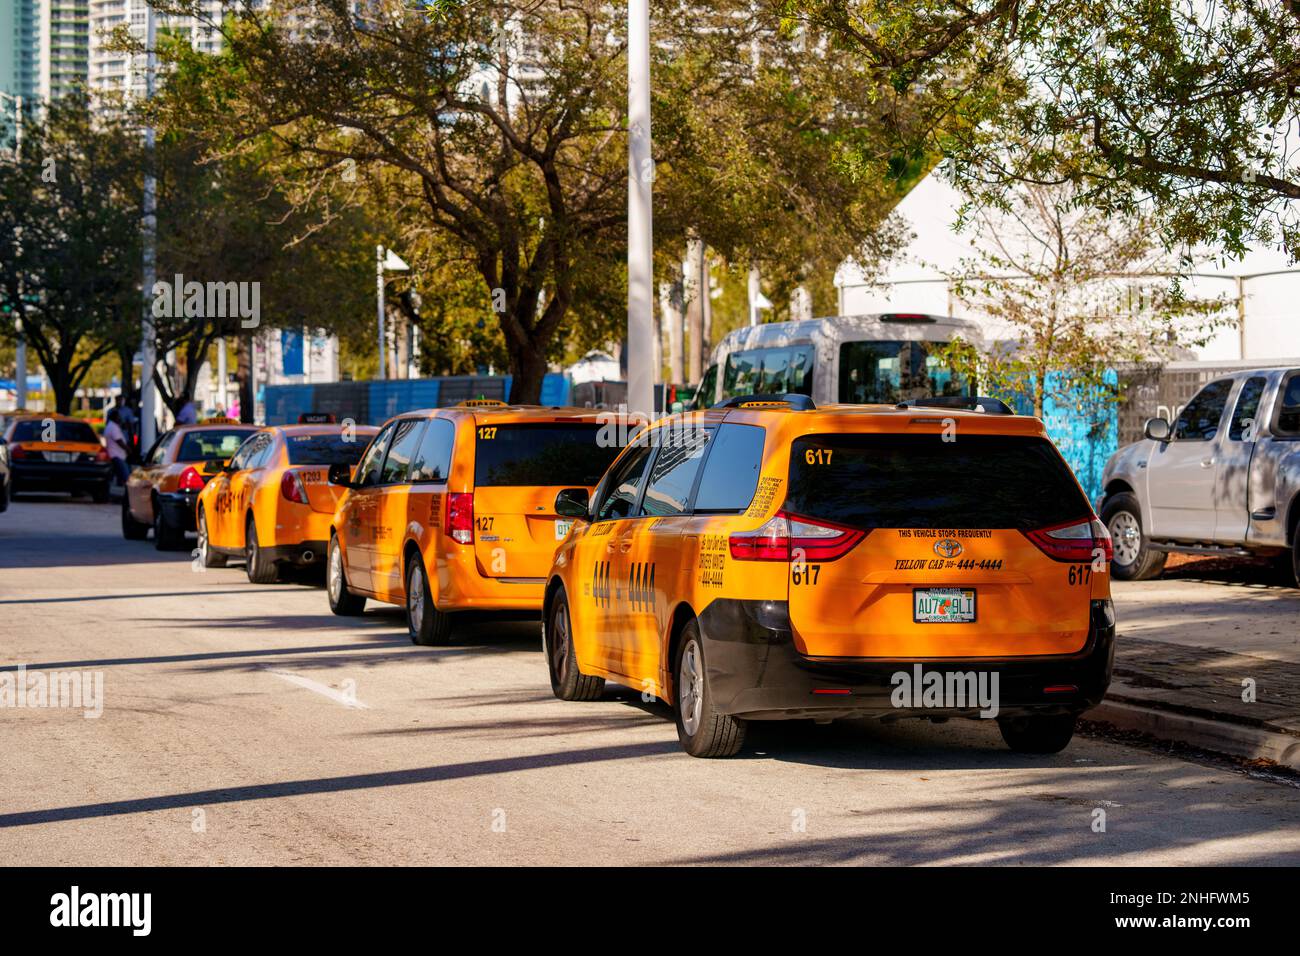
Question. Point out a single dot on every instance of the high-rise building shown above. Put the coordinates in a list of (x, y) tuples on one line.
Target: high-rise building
[(64, 37), (19, 47), (112, 71)]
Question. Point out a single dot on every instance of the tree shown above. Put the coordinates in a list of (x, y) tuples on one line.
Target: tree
[(1073, 291), (1180, 112), (69, 241), (501, 127)]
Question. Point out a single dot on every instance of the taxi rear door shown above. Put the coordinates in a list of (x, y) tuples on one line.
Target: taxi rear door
[(360, 513), (386, 571)]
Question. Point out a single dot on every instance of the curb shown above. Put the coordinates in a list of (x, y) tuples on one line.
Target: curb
[(1237, 740)]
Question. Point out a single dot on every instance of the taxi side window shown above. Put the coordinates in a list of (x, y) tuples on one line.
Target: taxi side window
[(259, 453), (672, 478), (368, 470), (159, 450), (624, 484), (245, 453), (433, 460), (406, 440), (1200, 417), (731, 471)]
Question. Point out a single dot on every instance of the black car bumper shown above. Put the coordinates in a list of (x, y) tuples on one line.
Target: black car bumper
[(178, 509), (305, 552), (755, 672), (59, 476)]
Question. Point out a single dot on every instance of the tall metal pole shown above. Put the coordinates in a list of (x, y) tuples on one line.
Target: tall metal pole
[(222, 375), (640, 223), (379, 298), (149, 231), (20, 370)]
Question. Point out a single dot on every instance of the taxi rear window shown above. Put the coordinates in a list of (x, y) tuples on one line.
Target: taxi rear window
[(212, 444), (33, 429), (541, 454), (326, 449), (921, 481)]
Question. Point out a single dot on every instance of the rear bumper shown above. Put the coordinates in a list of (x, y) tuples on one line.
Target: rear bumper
[(755, 672), (59, 475), (304, 552), (462, 587), (178, 508)]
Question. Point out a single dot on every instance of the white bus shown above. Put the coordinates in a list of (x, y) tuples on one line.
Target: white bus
[(858, 359)]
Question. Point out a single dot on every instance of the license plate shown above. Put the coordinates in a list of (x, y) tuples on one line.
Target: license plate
[(943, 605), (562, 529), (58, 456)]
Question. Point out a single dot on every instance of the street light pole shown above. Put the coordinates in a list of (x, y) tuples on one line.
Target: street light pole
[(149, 231), (640, 223), (379, 298)]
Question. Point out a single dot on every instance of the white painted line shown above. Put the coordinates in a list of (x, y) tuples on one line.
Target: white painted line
[(316, 687)]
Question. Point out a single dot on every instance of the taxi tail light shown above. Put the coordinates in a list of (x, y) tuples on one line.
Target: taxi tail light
[(292, 489), (18, 451), (101, 455), (786, 536), (460, 516), (1074, 541)]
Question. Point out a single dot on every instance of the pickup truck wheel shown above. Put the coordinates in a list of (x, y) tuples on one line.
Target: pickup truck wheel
[(1133, 560)]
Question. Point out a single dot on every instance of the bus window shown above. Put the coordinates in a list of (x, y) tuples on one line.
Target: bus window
[(706, 394), (891, 372), (772, 371)]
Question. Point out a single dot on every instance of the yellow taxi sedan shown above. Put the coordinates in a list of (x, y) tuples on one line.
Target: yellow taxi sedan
[(272, 503)]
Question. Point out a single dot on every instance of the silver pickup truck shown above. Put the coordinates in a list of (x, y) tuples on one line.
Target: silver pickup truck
[(1223, 479)]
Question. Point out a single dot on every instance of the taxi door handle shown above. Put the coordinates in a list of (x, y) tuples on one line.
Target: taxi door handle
[(1207, 462)]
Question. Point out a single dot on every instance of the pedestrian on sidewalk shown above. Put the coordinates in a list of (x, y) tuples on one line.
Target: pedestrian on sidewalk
[(118, 446)]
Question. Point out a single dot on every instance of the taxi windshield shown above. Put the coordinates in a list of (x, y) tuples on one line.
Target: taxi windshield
[(922, 481), (542, 454)]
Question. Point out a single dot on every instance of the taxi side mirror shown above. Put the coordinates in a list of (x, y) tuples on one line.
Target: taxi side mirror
[(214, 466), (1157, 429), (341, 474), (572, 503)]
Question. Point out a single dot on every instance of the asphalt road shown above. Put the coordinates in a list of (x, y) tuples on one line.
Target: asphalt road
[(247, 725)]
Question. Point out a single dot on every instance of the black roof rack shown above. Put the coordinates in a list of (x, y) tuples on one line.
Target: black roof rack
[(800, 403), (970, 403)]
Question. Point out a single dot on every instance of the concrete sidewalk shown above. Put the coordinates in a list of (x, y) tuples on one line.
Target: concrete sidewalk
[(1192, 646)]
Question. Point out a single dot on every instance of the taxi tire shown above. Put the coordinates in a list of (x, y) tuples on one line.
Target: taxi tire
[(1148, 563), (4, 497), (209, 557), (132, 530), (345, 604), (258, 568), (435, 625), (99, 493), (1038, 733), (718, 734), (570, 683), (165, 537)]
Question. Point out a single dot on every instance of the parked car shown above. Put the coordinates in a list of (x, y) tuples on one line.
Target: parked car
[(48, 452), (1222, 479), (780, 560)]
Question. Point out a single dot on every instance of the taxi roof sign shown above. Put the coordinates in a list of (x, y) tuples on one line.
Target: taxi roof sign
[(483, 403), (316, 418), (219, 420)]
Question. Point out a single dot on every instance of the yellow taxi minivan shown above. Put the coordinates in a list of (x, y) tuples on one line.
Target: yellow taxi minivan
[(453, 510), (272, 503), (770, 559)]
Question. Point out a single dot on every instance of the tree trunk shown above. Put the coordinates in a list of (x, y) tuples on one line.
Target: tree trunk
[(243, 369), (527, 370), (697, 289)]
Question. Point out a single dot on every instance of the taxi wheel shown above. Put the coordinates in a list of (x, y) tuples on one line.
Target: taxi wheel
[(567, 682), (342, 601), (1038, 733), (4, 496), (210, 558), (259, 569), (1133, 559), (165, 537), (425, 623), (132, 530), (99, 493), (703, 731)]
